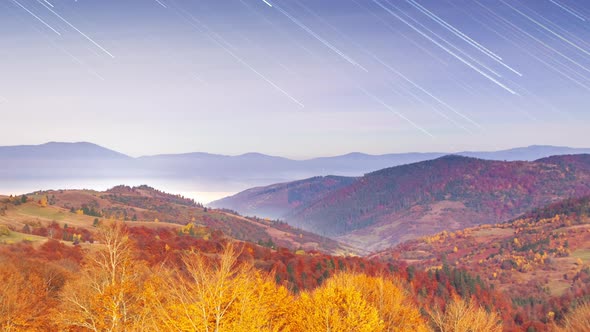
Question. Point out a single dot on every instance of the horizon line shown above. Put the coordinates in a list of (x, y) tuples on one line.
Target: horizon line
[(291, 158)]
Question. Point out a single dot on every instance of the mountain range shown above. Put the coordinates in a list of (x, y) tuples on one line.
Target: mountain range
[(394, 204), (201, 171)]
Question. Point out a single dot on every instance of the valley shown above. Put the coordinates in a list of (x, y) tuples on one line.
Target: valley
[(452, 232), (386, 207)]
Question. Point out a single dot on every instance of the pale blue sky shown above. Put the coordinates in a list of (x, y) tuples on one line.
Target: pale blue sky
[(230, 76)]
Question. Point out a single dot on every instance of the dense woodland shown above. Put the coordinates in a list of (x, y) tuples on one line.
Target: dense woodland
[(539, 260), (396, 204), (158, 280), (137, 278), (86, 270), (491, 191)]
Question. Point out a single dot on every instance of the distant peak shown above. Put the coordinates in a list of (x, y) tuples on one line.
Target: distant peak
[(253, 154), (70, 143), (68, 148), (538, 147), (258, 155), (355, 154)]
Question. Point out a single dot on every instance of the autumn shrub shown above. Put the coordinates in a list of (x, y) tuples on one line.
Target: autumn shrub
[(107, 293), (338, 307), (465, 316), (392, 302), (217, 293), (577, 320), (23, 297)]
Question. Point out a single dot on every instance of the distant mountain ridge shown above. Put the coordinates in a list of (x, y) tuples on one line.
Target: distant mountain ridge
[(529, 153), (87, 149), (197, 171), (452, 192), (58, 150)]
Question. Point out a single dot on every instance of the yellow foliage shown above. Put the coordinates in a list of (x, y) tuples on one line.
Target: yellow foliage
[(336, 308), (21, 299), (393, 304), (219, 294), (216, 292), (461, 316), (104, 296), (187, 228), (576, 321), (4, 230), (357, 302)]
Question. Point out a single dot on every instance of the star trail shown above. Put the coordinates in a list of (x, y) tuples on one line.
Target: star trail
[(279, 76)]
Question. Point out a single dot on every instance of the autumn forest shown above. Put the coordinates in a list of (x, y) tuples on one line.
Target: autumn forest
[(117, 261)]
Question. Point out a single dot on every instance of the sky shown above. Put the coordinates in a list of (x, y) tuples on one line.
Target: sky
[(295, 78)]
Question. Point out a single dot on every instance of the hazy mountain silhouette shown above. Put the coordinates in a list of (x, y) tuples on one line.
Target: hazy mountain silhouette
[(399, 203), (214, 172)]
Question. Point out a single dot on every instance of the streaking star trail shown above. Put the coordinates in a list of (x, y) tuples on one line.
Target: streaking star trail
[(316, 36), (368, 75), (467, 63), (36, 17)]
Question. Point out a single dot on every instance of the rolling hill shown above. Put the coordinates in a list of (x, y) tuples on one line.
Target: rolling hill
[(144, 206), (541, 259), (53, 258), (449, 193)]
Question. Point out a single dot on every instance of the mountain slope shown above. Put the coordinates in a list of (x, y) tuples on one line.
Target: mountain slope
[(529, 153), (449, 193), (146, 206), (540, 259), (276, 200)]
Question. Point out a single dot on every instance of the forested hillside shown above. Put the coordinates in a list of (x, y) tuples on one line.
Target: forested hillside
[(450, 193), (541, 260), (276, 201), (164, 273), (158, 279), (60, 212)]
